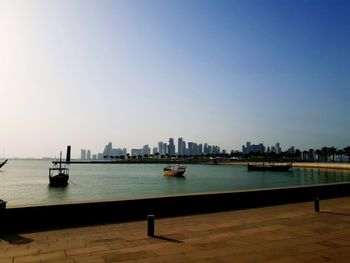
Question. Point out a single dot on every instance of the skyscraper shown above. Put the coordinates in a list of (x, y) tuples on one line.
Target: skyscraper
[(154, 150), (191, 148), (206, 149), (183, 148), (146, 150), (88, 155), (83, 154), (165, 149), (179, 146), (254, 148), (108, 150), (200, 149), (160, 148), (171, 147)]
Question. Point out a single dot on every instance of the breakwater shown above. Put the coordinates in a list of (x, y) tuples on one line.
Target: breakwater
[(67, 215)]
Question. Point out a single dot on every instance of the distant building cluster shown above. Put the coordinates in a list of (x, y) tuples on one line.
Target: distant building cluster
[(163, 149), (185, 149), (110, 151), (274, 149), (181, 149), (106, 154), (260, 149), (252, 148), (86, 155)]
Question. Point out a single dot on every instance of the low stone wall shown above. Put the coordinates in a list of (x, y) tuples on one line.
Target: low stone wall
[(78, 214), (345, 166)]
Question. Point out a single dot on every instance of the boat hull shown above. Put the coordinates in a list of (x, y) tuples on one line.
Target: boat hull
[(2, 204), (174, 173), (59, 180)]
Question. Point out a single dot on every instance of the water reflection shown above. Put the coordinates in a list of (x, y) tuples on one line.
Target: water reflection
[(54, 193), (175, 184)]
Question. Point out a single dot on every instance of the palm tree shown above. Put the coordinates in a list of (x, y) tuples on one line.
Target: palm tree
[(297, 154), (347, 152), (318, 152), (311, 155), (324, 153), (340, 152), (332, 151), (305, 154)]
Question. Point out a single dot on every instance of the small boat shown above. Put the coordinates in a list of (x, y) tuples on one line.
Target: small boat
[(177, 171), (269, 167), (3, 163), (58, 175), (2, 204)]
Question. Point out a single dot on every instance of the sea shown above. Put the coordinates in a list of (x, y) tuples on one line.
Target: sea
[(26, 183)]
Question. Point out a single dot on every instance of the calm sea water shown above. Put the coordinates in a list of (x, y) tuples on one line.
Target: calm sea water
[(26, 182)]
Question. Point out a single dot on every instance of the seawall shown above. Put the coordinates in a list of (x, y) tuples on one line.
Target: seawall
[(345, 166), (316, 165), (68, 215)]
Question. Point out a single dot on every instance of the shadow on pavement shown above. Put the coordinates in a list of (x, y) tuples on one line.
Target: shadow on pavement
[(167, 239), (15, 239)]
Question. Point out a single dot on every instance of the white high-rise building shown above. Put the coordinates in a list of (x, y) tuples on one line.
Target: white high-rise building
[(83, 154), (154, 150), (160, 148), (165, 148)]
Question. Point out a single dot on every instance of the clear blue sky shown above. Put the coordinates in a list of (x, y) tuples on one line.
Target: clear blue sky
[(134, 72)]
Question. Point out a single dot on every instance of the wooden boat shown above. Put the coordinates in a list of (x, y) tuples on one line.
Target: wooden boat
[(3, 163), (58, 175), (177, 171), (269, 167), (2, 204)]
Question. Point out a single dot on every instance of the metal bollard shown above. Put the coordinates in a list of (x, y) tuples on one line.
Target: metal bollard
[(317, 204), (150, 226)]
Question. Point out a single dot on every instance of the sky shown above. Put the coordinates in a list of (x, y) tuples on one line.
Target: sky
[(85, 73)]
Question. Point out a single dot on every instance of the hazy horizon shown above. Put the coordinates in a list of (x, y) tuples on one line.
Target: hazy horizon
[(85, 73)]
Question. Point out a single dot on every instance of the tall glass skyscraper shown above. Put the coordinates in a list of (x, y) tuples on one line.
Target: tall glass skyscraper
[(171, 147), (179, 147)]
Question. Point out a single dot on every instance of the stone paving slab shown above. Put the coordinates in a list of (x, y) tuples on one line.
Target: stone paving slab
[(286, 233)]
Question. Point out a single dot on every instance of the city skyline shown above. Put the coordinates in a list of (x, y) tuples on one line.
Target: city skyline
[(226, 72), (195, 149), (248, 147), (163, 148)]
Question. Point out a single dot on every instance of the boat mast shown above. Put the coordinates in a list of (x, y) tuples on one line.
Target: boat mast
[(60, 160)]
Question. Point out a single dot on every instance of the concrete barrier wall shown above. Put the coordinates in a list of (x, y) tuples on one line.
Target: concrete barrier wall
[(57, 216)]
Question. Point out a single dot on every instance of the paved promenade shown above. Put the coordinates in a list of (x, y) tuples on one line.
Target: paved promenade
[(286, 233)]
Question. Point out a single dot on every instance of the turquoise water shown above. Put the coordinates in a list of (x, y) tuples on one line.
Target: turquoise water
[(24, 182)]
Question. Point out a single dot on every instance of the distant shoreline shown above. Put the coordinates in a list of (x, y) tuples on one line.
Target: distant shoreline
[(343, 166), (321, 165)]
